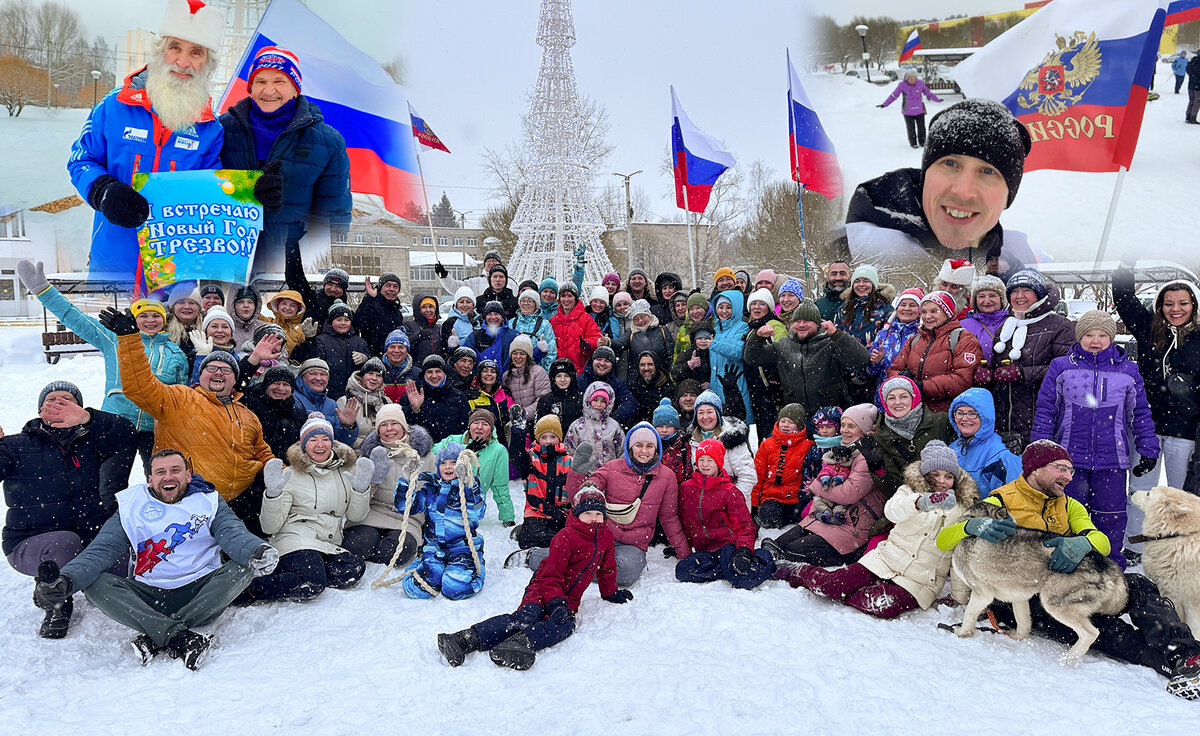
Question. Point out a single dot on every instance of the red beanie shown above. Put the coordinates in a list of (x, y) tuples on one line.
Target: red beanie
[(1041, 453), (715, 449)]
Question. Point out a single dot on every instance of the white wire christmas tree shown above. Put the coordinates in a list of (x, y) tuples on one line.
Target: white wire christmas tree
[(556, 216)]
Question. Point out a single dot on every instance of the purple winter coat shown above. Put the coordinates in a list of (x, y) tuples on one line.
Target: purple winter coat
[(1089, 403), (985, 327), (913, 104)]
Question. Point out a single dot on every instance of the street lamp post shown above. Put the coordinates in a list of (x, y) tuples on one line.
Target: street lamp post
[(55, 95), (862, 32), (462, 221), (628, 220), (95, 81)]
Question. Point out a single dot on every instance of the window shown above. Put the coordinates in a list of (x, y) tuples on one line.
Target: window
[(457, 242), (414, 240), (426, 240), (470, 242), (456, 272), (358, 238), (13, 226), (376, 239), (341, 237), (423, 273), (441, 240)]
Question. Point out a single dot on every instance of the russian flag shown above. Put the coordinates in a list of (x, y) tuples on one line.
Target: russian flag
[(423, 133), (1081, 94), (814, 162), (699, 160), (356, 96), (910, 46), (1181, 11)]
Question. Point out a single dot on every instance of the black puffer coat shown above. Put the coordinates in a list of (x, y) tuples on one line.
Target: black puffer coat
[(375, 319), (336, 349), (281, 420)]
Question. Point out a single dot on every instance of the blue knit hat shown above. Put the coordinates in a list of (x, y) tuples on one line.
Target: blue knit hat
[(793, 286), (450, 451), (665, 413), (548, 283), (709, 397), (1028, 278), (60, 386), (396, 336)]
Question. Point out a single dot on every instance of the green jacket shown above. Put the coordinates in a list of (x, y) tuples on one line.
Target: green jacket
[(493, 471)]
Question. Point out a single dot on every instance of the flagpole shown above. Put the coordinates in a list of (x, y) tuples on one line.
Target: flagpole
[(1112, 211), (800, 213), (428, 213), (687, 213)]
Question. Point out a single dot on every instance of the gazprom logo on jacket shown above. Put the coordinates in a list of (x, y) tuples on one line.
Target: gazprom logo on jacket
[(153, 511), (187, 144), (139, 135)]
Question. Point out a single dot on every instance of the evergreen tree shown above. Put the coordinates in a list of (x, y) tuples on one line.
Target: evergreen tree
[(442, 213)]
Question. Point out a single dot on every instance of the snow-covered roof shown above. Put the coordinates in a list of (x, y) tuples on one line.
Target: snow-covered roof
[(1088, 272)]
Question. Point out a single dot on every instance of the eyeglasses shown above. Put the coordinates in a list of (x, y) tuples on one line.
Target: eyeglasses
[(221, 369), (966, 414), (1063, 468)]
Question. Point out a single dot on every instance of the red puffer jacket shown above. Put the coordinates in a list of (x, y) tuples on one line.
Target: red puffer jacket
[(942, 373), (714, 513), (779, 463), (578, 553), (576, 334)]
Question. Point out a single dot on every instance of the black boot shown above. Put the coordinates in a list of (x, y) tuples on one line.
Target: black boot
[(190, 647), (145, 648), (57, 621), (515, 652), (455, 647)]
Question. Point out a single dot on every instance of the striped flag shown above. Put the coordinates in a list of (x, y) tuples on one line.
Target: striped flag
[(910, 46), (814, 162), (699, 159)]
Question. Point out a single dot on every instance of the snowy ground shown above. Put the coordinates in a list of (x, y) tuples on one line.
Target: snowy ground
[(678, 659)]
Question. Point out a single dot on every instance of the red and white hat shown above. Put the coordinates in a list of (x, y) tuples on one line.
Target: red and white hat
[(192, 20), (957, 271), (916, 294), (944, 301), (281, 60)]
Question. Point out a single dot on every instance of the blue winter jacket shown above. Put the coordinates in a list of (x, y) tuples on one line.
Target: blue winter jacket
[(496, 347), (537, 327), (311, 401), (889, 340), (1179, 66), (1089, 404), (314, 167), (121, 137), (167, 360), (984, 456), (725, 352)]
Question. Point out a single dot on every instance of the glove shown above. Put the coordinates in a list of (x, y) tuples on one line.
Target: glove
[(274, 478), (741, 561), (34, 277), (621, 596), (379, 458), (983, 376), (308, 327), (119, 322), (1145, 465), (557, 610), (358, 358), (118, 202), (1007, 373), (517, 417), (584, 461), (200, 342), (868, 447), (935, 500), (268, 190), (1068, 552), (264, 560), (990, 530), (440, 270), (543, 346), (52, 590), (668, 551), (452, 341), (364, 471), (476, 445), (729, 380), (508, 524)]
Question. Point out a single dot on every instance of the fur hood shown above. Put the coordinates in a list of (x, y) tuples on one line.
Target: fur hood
[(418, 438), (885, 291), (734, 432), (301, 463), (965, 488)]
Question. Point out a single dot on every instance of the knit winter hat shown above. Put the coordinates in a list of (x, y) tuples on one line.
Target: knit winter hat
[(396, 336), (449, 451), (712, 448), (903, 383), (550, 283), (464, 292), (522, 343), (337, 276), (147, 305), (944, 301), (827, 415), (60, 386), (391, 412), (600, 293), (703, 329), (1029, 279), (279, 59), (916, 294), (373, 365), (277, 373), (498, 268), (1095, 320), (216, 312), (793, 286), (561, 365), (767, 274), (548, 423), (1040, 453), (687, 387), (807, 312), (530, 294), (339, 309), (220, 356), (641, 432), (462, 351), (493, 307), (744, 274), (665, 414), (957, 271), (611, 278), (638, 272), (569, 287), (589, 498), (482, 415), (212, 289), (622, 298), (604, 352), (937, 456), (863, 416), (312, 364), (433, 361), (267, 328), (723, 272), (641, 306), (182, 292), (764, 296), (492, 255), (599, 388), (988, 282), (246, 291), (708, 397), (528, 284), (315, 424), (795, 412), (697, 300), (868, 272), (985, 130)]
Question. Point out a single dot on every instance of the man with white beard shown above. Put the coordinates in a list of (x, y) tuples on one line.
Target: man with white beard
[(160, 119)]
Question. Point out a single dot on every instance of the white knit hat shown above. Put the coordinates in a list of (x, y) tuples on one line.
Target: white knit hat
[(764, 296), (216, 312), (191, 20), (600, 293)]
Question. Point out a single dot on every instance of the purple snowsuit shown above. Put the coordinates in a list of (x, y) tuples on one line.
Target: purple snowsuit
[(913, 104), (1089, 404)]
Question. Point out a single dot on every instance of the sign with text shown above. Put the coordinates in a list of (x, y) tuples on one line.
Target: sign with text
[(202, 225)]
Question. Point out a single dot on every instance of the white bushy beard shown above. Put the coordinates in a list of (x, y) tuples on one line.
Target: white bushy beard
[(178, 103)]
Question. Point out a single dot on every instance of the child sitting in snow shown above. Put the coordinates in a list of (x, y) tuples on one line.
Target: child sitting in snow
[(583, 550), (451, 561), (718, 526), (596, 427), (835, 469), (906, 570), (779, 497)]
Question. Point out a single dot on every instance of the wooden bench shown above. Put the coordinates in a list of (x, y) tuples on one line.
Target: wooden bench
[(63, 342)]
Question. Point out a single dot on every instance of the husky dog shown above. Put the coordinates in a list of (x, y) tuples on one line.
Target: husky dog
[(1171, 559), (1018, 568)]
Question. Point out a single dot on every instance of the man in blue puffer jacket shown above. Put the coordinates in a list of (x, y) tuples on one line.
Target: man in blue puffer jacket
[(307, 170)]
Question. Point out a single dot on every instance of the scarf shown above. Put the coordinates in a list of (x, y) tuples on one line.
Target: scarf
[(333, 462), (905, 426), (266, 127), (1015, 330)]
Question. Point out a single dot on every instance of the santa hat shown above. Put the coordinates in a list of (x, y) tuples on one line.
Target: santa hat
[(192, 20), (281, 60), (916, 294), (957, 271)]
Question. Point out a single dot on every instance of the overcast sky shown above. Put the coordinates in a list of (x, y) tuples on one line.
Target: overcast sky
[(844, 10)]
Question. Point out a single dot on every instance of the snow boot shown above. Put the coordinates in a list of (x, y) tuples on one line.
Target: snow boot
[(512, 534), (777, 553), (145, 648), (788, 571), (1185, 679), (515, 652), (56, 621), (190, 647), (455, 647), (520, 558)]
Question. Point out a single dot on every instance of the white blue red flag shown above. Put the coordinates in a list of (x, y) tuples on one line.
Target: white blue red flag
[(699, 160), (1076, 73), (910, 46), (814, 162), (1181, 11), (423, 133), (356, 97)]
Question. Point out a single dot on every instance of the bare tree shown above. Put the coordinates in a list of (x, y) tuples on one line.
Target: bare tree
[(397, 69), (16, 28), (496, 221), (57, 33), (20, 84)]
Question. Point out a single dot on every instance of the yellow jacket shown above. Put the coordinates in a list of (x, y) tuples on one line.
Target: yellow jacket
[(292, 336)]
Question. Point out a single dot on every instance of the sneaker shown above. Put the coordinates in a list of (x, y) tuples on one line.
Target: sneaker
[(190, 647), (515, 652), (520, 558), (145, 648), (56, 621), (1185, 679)]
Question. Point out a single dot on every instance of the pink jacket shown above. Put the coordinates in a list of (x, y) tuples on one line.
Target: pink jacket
[(864, 507), (661, 503)]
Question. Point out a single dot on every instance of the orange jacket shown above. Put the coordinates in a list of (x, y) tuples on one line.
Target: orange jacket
[(224, 442)]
